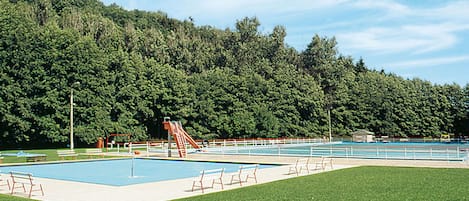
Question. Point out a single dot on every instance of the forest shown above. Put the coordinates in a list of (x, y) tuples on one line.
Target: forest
[(130, 69)]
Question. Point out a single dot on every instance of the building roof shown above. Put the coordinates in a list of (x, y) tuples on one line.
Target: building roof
[(362, 132)]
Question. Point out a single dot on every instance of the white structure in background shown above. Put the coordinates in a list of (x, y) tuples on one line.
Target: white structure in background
[(363, 136)]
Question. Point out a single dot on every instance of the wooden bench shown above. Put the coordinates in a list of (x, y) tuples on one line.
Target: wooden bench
[(244, 173), (67, 153), (300, 164), (93, 152), (36, 158), (20, 179), (215, 176)]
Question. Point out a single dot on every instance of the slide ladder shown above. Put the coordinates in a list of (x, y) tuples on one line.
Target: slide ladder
[(180, 136), (180, 140), (187, 137)]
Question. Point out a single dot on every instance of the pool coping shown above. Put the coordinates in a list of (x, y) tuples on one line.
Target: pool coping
[(44, 172)]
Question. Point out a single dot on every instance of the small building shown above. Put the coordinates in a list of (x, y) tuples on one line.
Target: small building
[(363, 136), (445, 138)]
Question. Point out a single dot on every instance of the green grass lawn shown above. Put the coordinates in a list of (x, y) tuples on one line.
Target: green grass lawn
[(51, 155), (361, 183), (4, 197)]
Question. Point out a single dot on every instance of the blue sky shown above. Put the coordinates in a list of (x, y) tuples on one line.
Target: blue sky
[(427, 39)]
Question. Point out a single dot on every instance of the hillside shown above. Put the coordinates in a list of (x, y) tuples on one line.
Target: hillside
[(129, 69)]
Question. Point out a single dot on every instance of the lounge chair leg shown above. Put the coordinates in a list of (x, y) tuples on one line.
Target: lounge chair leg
[(30, 191), (12, 188)]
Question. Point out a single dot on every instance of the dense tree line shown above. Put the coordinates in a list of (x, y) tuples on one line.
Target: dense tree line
[(129, 69)]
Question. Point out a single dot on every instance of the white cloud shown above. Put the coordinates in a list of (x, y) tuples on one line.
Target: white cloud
[(454, 10), (132, 4), (428, 62), (382, 40), (237, 9), (391, 8), (263, 6), (404, 29), (414, 39)]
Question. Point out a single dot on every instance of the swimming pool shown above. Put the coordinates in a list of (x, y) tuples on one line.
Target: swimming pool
[(408, 151), (119, 172)]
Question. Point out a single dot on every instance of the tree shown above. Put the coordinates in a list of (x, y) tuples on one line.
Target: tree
[(137, 67)]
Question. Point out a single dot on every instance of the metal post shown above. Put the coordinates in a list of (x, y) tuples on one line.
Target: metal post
[(330, 126), (71, 118), (71, 114), (132, 168), (169, 143)]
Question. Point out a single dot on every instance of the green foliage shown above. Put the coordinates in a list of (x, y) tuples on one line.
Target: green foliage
[(362, 183), (136, 67)]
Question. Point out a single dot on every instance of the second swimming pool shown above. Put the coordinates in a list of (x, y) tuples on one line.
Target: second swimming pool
[(119, 172), (406, 151)]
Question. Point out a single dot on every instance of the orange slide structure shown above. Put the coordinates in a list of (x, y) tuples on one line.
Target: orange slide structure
[(180, 136)]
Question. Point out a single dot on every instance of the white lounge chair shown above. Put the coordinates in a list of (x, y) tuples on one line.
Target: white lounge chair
[(214, 176), (20, 179), (4, 181), (244, 173), (323, 163), (300, 165)]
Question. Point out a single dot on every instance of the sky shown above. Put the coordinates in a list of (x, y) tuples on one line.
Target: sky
[(425, 39)]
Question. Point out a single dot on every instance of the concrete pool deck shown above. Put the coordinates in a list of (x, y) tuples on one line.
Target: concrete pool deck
[(59, 190)]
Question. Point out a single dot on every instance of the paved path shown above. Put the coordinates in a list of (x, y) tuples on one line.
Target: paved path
[(58, 190)]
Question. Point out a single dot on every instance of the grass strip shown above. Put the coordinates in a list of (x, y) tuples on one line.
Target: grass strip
[(4, 197), (51, 155), (360, 183)]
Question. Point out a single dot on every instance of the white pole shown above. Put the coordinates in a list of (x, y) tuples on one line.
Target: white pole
[(132, 168), (71, 118), (330, 127)]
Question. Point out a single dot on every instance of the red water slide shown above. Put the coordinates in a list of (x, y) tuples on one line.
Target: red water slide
[(180, 136)]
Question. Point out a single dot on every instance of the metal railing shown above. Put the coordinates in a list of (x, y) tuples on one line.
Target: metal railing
[(383, 152), (320, 147), (316, 147)]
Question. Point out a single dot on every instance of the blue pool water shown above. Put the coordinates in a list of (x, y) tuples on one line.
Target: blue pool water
[(409, 151), (118, 172)]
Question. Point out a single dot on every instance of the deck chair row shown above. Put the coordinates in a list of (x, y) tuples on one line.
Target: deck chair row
[(304, 164), (215, 176)]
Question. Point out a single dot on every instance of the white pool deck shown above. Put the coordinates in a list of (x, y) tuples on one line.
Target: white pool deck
[(59, 190)]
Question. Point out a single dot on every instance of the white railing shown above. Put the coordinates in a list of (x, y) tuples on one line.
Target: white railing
[(261, 142), (383, 152), (315, 147), (318, 147)]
